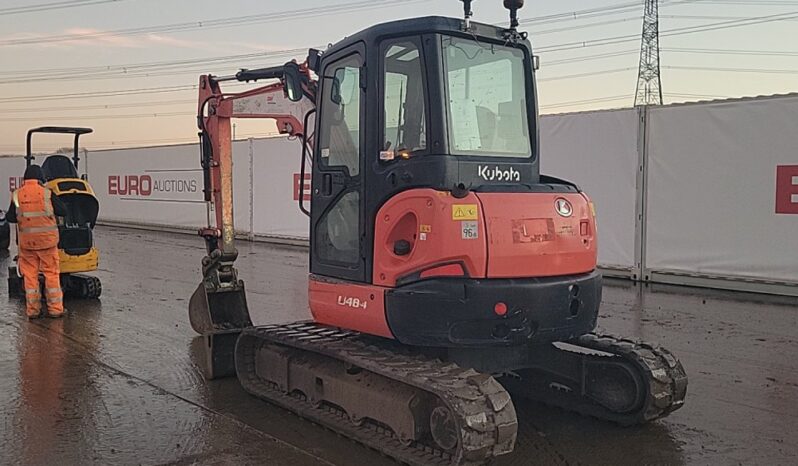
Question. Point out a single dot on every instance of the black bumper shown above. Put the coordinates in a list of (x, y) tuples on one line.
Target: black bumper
[(459, 312)]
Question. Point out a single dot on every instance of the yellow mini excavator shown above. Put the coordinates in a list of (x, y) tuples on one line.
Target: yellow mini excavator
[(76, 240)]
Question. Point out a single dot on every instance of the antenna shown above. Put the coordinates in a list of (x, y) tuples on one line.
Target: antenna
[(649, 83), (467, 13), (513, 6)]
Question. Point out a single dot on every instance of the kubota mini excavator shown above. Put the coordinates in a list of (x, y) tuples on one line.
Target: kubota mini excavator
[(445, 271), (76, 248)]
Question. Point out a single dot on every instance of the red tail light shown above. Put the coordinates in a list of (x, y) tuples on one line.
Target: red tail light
[(500, 309)]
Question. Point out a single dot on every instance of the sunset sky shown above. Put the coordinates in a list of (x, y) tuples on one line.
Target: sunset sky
[(127, 67)]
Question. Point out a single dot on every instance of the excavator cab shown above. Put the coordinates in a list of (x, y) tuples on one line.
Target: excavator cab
[(77, 251)]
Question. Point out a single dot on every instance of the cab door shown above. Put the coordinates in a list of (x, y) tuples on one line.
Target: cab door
[(337, 202)]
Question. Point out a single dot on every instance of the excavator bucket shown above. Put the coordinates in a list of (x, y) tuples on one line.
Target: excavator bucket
[(221, 309), (219, 315)]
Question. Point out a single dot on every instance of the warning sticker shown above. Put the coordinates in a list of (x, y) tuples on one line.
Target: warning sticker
[(470, 229), (465, 212), (425, 228)]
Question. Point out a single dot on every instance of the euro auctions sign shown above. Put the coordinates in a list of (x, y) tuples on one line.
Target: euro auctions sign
[(134, 186), (787, 189)]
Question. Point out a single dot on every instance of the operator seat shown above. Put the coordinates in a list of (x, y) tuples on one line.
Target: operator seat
[(58, 166)]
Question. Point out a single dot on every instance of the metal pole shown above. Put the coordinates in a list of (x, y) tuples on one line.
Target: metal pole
[(251, 189)]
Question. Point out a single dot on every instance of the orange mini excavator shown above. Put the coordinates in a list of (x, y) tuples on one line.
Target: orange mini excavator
[(446, 273)]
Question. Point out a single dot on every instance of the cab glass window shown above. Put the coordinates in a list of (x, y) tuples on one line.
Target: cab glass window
[(404, 119), (487, 99), (339, 136)]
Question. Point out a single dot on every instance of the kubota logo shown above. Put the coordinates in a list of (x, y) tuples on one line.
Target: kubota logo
[(563, 207), (496, 173)]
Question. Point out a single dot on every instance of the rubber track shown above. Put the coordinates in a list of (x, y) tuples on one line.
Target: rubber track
[(667, 379), (487, 419), (663, 374)]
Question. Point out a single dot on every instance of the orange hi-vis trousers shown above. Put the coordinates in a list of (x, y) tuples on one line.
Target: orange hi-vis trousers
[(44, 261)]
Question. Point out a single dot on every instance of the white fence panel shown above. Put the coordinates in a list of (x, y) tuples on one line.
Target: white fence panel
[(242, 194), (712, 186), (599, 152), (151, 185), (276, 182)]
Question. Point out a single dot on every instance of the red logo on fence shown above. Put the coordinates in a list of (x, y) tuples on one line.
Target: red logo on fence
[(787, 189), (14, 183), (302, 187), (129, 185)]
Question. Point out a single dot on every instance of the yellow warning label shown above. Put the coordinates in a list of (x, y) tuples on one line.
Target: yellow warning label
[(426, 228), (465, 212)]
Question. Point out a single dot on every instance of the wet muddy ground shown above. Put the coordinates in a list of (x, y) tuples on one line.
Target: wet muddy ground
[(119, 381)]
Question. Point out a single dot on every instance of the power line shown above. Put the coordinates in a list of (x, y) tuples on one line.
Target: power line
[(596, 100), (137, 143), (102, 117), (214, 23), (80, 73), (623, 7), (52, 6), (84, 95), (774, 53), (154, 65), (699, 96), (600, 56), (671, 32), (143, 74), (156, 103), (586, 26), (585, 75), (705, 17), (747, 2), (732, 70), (596, 12), (144, 66)]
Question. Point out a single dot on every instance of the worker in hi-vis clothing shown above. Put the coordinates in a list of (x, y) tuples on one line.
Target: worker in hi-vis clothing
[(34, 209)]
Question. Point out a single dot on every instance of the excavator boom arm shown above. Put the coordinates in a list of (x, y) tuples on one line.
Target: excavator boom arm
[(214, 114), (219, 303)]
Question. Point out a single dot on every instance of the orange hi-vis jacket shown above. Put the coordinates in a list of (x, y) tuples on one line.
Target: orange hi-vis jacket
[(38, 227)]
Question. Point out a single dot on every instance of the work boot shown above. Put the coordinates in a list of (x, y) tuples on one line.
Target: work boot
[(56, 315), (34, 316)]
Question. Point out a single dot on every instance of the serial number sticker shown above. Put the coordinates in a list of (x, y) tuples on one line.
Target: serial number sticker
[(470, 229), (325, 152), (422, 236), (465, 212)]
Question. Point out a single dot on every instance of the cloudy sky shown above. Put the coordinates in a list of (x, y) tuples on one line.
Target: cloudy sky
[(127, 67)]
